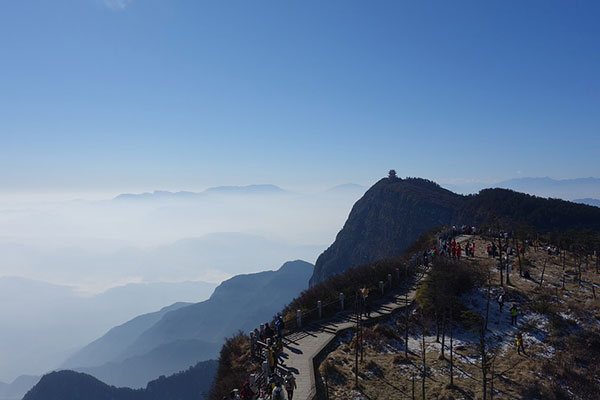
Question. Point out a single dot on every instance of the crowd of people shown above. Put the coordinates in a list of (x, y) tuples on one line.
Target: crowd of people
[(266, 343)]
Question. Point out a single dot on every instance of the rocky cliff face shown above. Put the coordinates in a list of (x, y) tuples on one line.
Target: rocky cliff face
[(385, 221)]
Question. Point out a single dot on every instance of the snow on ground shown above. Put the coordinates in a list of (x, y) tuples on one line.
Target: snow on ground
[(501, 333)]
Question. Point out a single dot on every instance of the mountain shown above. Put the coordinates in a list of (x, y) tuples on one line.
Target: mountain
[(245, 190), (116, 340), (395, 212), (567, 189), (588, 201), (166, 359), (239, 303), (176, 337), (17, 389), (190, 384), (29, 307), (218, 190), (385, 221)]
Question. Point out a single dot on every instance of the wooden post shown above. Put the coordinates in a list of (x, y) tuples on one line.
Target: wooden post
[(381, 287), (390, 281), (299, 318), (320, 308), (342, 301)]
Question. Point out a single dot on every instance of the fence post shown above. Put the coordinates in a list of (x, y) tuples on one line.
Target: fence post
[(398, 275), (342, 301), (299, 318), (390, 281), (320, 307), (381, 287)]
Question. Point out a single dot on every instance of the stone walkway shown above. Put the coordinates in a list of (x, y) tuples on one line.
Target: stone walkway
[(302, 347)]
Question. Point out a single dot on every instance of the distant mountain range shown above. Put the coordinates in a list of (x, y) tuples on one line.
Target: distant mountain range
[(191, 384), (566, 189), (393, 213), (17, 389), (29, 307), (219, 190), (178, 336), (249, 190), (115, 341), (588, 201)]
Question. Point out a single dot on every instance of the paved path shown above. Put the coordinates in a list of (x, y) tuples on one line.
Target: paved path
[(302, 347)]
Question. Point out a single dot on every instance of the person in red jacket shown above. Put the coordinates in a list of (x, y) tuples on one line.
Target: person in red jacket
[(246, 393)]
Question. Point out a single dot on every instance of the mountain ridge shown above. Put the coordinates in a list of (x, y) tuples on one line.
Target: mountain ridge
[(394, 212)]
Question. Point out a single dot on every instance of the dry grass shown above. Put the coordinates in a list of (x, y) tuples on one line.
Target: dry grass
[(571, 371)]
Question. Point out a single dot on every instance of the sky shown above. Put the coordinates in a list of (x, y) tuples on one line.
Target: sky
[(131, 95)]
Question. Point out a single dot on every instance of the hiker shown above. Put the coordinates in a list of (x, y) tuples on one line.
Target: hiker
[(277, 392), (458, 251), (246, 393), (501, 301), (290, 385), (273, 357), (513, 315), (520, 346), (270, 385), (280, 325), (268, 331)]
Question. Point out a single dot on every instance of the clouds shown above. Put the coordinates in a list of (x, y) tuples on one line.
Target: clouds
[(116, 5)]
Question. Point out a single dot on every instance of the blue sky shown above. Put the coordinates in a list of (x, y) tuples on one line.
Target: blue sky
[(121, 95)]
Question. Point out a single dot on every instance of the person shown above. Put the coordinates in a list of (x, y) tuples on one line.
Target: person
[(246, 393), (501, 301), (425, 258), (280, 325), (290, 385), (520, 345), (234, 395), (458, 251), (513, 315), (277, 392), (273, 357), (270, 385), (268, 331)]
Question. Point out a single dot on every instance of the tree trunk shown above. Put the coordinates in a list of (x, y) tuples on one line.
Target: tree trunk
[(424, 362), (443, 356), (451, 350), (543, 270), (500, 253), (519, 256)]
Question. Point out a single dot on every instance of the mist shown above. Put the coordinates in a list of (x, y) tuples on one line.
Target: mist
[(72, 269)]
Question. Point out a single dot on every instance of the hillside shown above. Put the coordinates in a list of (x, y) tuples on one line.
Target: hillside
[(239, 303), (116, 340), (190, 384), (558, 321), (390, 216), (180, 335), (395, 212)]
